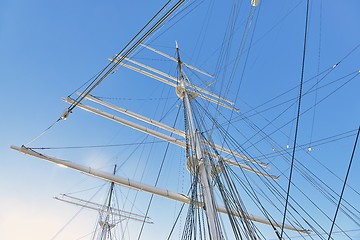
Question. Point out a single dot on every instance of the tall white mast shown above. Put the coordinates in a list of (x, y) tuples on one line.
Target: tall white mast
[(199, 161)]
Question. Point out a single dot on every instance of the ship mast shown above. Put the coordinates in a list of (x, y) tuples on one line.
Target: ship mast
[(198, 161), (199, 155), (105, 224)]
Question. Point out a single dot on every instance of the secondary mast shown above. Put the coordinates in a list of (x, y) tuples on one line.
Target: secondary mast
[(106, 225)]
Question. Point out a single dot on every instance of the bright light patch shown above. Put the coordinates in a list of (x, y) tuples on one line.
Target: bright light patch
[(61, 165)]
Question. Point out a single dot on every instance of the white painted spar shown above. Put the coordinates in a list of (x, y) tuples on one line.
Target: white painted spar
[(128, 123), (100, 208), (139, 186), (106, 176), (136, 116)]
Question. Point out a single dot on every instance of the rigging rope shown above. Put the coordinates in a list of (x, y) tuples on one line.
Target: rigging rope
[(317, 82), (100, 146), (305, 176), (319, 188), (344, 185), (125, 53), (315, 143), (298, 117), (326, 72), (75, 215), (157, 178), (356, 73), (225, 196), (102, 74), (309, 179)]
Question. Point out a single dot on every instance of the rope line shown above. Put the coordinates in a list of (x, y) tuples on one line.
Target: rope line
[(297, 118), (344, 185)]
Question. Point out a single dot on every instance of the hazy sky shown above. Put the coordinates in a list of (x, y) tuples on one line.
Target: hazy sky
[(48, 49)]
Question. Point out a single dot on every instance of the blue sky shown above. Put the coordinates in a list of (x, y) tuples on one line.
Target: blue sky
[(49, 49)]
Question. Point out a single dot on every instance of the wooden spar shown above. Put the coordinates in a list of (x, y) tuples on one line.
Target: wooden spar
[(239, 155), (129, 124), (139, 186), (160, 79), (99, 207), (136, 116), (149, 68), (261, 220), (106, 176), (164, 136), (115, 212), (197, 90), (175, 79), (248, 168), (175, 60)]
